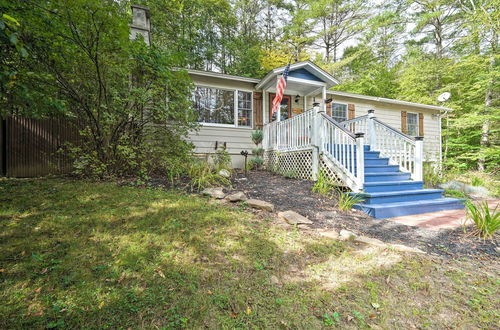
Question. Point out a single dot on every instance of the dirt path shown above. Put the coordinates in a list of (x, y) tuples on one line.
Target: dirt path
[(294, 194)]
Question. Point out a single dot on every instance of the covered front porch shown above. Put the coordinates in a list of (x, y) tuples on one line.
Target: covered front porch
[(306, 84)]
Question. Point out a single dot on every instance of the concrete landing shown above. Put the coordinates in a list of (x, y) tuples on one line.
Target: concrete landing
[(450, 219)]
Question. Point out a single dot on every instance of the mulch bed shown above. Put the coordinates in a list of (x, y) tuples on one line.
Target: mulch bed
[(296, 195)]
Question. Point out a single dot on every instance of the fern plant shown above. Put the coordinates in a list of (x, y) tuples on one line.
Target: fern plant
[(487, 221)]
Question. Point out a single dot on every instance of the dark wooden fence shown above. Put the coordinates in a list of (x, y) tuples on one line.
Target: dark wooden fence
[(33, 147)]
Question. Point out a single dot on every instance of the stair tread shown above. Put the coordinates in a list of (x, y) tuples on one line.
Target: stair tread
[(391, 183), (401, 192), (438, 201), (380, 166), (385, 174)]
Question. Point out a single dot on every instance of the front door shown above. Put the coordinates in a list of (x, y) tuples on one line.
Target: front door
[(285, 110)]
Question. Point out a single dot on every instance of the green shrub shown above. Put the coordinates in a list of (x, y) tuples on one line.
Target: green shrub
[(221, 160), (258, 152), (487, 221), (257, 136), (431, 175), (475, 181), (345, 201), (323, 185), (203, 175), (455, 193)]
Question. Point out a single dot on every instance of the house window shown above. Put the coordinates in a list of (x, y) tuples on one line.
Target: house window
[(244, 109), (217, 106), (339, 111), (412, 123)]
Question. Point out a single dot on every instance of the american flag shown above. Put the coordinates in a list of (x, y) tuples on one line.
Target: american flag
[(280, 89)]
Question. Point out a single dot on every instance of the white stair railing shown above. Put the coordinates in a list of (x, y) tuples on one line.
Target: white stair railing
[(359, 124), (345, 150), (401, 149)]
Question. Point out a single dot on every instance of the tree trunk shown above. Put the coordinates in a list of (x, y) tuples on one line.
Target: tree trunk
[(485, 129)]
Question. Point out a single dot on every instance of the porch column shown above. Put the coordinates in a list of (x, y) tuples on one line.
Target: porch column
[(264, 106), (324, 99), (419, 158), (372, 137)]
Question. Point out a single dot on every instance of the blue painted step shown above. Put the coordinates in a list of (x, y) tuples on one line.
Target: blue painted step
[(389, 210), (392, 186), (381, 168), (386, 176), (399, 196), (376, 161)]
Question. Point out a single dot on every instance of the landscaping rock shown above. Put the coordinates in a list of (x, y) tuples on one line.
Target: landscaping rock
[(258, 204), (370, 241), (214, 192), (404, 248), (294, 218), (237, 197), (332, 234), (465, 188), (304, 227), (225, 173), (275, 280), (347, 235)]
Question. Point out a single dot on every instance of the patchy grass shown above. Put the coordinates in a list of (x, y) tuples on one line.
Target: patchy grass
[(79, 254)]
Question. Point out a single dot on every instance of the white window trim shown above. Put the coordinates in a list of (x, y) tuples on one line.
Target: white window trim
[(346, 109), (408, 126), (235, 116)]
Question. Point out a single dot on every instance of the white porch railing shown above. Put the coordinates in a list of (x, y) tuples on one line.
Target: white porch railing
[(291, 134), (341, 144)]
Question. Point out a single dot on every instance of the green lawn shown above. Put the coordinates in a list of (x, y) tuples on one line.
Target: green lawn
[(80, 254)]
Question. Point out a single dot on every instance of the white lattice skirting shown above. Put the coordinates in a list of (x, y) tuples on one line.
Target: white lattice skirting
[(330, 173), (298, 164)]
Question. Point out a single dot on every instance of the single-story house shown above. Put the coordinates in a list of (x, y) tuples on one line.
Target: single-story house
[(230, 107)]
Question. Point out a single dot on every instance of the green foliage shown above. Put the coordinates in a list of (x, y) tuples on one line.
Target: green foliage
[(203, 175), (258, 151), (257, 136), (455, 193), (487, 221), (431, 175), (117, 98), (257, 161), (323, 185), (221, 160), (476, 181), (346, 201)]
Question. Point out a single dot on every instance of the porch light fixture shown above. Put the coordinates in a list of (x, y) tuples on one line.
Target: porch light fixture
[(328, 100), (297, 98)]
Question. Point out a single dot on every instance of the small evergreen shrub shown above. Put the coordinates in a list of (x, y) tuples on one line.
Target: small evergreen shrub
[(257, 137)]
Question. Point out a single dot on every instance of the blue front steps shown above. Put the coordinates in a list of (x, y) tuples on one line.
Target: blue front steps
[(390, 193)]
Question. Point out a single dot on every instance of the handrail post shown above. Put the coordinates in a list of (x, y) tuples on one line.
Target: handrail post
[(316, 141), (419, 158), (372, 138), (360, 161)]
